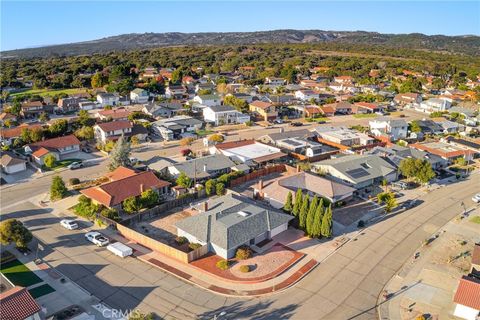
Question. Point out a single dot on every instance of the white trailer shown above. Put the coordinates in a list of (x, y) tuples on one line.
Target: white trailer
[(120, 249)]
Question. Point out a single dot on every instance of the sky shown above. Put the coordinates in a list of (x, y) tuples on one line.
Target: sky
[(38, 23)]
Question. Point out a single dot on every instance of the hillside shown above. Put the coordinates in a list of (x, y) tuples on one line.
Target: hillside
[(456, 44)]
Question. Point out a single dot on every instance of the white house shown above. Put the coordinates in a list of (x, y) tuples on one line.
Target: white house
[(275, 81), (306, 95), (220, 115), (11, 164), (208, 100), (110, 130), (107, 99), (395, 129), (58, 147), (466, 299), (343, 87), (139, 95), (176, 92), (434, 104)]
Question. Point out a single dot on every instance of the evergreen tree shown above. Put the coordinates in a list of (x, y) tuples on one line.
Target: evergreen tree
[(304, 211), (120, 154), (327, 223), (311, 215), (58, 190), (288, 203), (298, 202), (317, 222)]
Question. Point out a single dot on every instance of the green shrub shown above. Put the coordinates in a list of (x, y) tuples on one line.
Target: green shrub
[(194, 246), (181, 240), (73, 181), (220, 189), (223, 264), (245, 268), (110, 214), (85, 208), (243, 253)]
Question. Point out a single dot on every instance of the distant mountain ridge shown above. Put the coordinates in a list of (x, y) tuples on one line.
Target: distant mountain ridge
[(468, 44)]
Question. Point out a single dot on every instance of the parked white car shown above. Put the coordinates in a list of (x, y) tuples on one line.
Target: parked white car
[(120, 249), (75, 165), (476, 198), (97, 238), (69, 224)]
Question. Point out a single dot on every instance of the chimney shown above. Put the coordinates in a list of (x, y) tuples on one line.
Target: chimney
[(142, 187), (205, 206), (260, 185)]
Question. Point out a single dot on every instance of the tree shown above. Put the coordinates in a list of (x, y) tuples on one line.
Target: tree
[(98, 80), (184, 181), (238, 104), (210, 187), (25, 135), (302, 217), (110, 213), (134, 141), (298, 202), (218, 138), (407, 167), (149, 198), (58, 190), (36, 134), (137, 315), (131, 204), (390, 204), (44, 117), (418, 169), (58, 127), (177, 76), (49, 160), (12, 230), (220, 189), (326, 230), (186, 141), (85, 133), (316, 230), (311, 215), (16, 108), (120, 155), (84, 119), (415, 127), (288, 207)]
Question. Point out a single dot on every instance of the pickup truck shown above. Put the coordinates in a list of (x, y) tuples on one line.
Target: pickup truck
[(97, 238)]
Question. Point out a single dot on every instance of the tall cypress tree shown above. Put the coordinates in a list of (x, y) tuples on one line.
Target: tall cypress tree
[(311, 215), (327, 223), (298, 202), (288, 207), (302, 219), (317, 221)]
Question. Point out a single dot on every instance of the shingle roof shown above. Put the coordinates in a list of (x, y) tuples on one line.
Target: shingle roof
[(212, 163), (476, 254), (17, 304), (468, 293), (115, 125), (222, 108), (232, 220), (261, 104), (57, 143), (16, 132), (10, 160)]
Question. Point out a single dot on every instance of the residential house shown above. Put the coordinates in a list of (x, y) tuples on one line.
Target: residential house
[(163, 109), (275, 191), (112, 130), (272, 138), (16, 303), (341, 107), (306, 147), (266, 111), (451, 127), (368, 107), (394, 129), (429, 126), (223, 114), (343, 87), (467, 298), (34, 109), (466, 112), (473, 145), (280, 99), (176, 92), (108, 99), (445, 150), (11, 163), (176, 127), (242, 96), (250, 152), (359, 171), (204, 168), (72, 104), (7, 136), (208, 100), (88, 105), (275, 81), (327, 111), (118, 114), (59, 147), (139, 96), (403, 99), (226, 223), (395, 154), (434, 105), (311, 111), (343, 79), (306, 95), (125, 183), (343, 136), (7, 117)]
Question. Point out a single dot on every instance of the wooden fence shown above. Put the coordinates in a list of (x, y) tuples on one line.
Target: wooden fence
[(160, 247), (257, 174)]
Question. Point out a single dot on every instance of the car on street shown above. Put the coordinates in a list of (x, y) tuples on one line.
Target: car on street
[(409, 204), (87, 150), (75, 165), (97, 238), (278, 121), (69, 224), (476, 198), (296, 124)]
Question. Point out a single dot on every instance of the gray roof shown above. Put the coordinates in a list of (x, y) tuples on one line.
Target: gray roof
[(360, 168), (393, 122), (222, 108), (212, 163), (209, 97), (466, 111), (290, 134), (232, 220), (395, 154)]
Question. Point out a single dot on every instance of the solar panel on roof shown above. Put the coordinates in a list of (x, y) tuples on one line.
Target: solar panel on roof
[(293, 142), (357, 173)]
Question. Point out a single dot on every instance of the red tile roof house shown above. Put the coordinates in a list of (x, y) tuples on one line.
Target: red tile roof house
[(125, 183), (476, 257), (445, 151), (112, 130), (18, 304), (367, 107), (59, 147), (7, 136), (114, 114), (467, 298)]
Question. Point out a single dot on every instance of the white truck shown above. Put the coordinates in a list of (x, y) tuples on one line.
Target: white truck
[(97, 238), (120, 249)]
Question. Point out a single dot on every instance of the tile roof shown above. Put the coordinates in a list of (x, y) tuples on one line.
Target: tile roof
[(120, 173), (17, 304), (40, 152), (234, 144), (468, 293), (113, 193), (57, 143), (114, 113), (476, 254), (261, 104), (115, 125), (16, 132)]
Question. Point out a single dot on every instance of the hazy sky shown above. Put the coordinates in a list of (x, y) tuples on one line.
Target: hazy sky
[(36, 23)]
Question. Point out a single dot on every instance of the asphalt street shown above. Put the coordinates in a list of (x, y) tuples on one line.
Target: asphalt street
[(345, 286)]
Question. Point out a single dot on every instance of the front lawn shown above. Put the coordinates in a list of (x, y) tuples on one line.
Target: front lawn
[(319, 119), (47, 92), (19, 274), (475, 219), (364, 115), (42, 290), (203, 133), (61, 164)]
